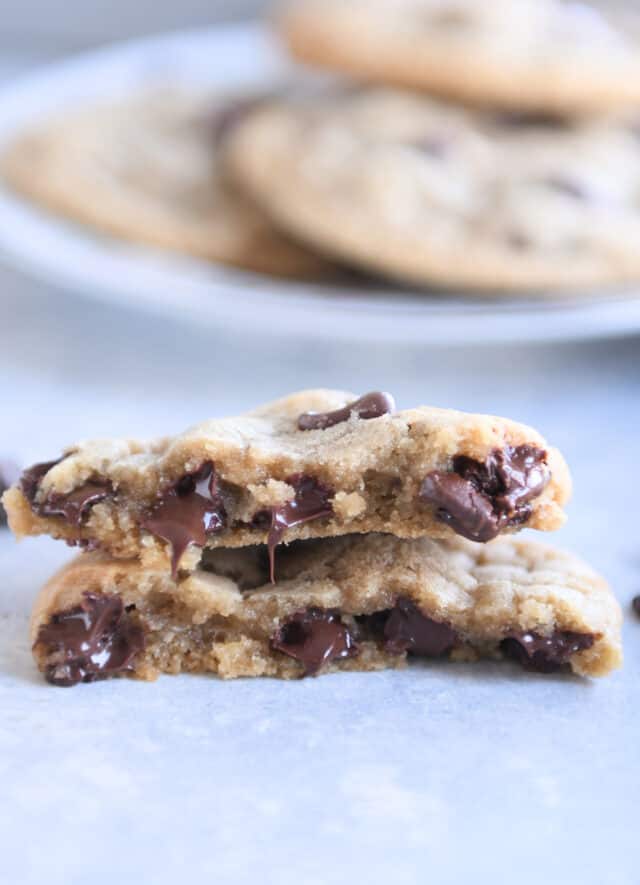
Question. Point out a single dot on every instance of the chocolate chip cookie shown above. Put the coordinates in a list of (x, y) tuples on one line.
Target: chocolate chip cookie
[(316, 464), (353, 603), (150, 170), (536, 55), (430, 194)]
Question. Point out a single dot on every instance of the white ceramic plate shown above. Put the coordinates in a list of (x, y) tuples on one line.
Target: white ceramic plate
[(68, 255)]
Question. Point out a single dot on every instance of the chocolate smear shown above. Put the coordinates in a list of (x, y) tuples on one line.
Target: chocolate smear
[(478, 500), (407, 629), (371, 405), (93, 640), (315, 637), (188, 511), (545, 654), (311, 500)]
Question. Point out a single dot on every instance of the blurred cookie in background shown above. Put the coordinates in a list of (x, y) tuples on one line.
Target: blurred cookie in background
[(538, 55), (9, 473), (150, 170), (429, 193)]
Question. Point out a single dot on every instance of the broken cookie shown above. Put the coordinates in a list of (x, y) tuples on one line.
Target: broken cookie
[(360, 602), (315, 464)]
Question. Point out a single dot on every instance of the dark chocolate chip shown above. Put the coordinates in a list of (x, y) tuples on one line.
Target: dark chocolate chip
[(433, 145), (311, 500), (315, 637), (635, 604), (188, 511), (569, 187), (521, 120), (9, 474), (479, 499), (407, 629), (33, 476), (230, 115), (545, 654), (74, 506), (371, 405), (93, 640)]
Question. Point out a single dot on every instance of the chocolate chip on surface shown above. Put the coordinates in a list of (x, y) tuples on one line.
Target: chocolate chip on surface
[(312, 500), (188, 511), (635, 605), (479, 499), (545, 654), (407, 629), (93, 640), (315, 637), (371, 405)]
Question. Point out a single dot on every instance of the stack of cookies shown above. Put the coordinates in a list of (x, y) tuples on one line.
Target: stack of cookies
[(315, 534), (481, 145), (478, 146)]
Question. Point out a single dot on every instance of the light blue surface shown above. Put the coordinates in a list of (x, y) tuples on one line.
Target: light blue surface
[(440, 774)]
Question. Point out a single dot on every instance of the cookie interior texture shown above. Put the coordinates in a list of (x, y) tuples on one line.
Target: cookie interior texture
[(270, 477), (150, 169), (355, 603), (536, 55), (426, 193)]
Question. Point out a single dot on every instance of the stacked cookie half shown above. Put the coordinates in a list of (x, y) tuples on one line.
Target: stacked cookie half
[(482, 145), (317, 533)]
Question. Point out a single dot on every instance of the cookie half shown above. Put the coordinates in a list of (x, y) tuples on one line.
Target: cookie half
[(319, 463), (150, 170), (352, 603), (431, 194), (535, 55)]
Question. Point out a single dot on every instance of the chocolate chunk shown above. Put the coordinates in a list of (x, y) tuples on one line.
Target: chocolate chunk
[(371, 405), (8, 475), (408, 629), (76, 505), (227, 117), (635, 604), (315, 637), (188, 511), (478, 500), (33, 476), (568, 186), (311, 500), (545, 654), (433, 145), (93, 640)]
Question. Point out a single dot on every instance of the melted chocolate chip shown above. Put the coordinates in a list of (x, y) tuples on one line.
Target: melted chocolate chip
[(33, 476), (545, 654), (315, 637), (408, 629), (478, 500), (93, 640), (371, 405), (76, 505), (188, 511), (635, 605), (311, 500)]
